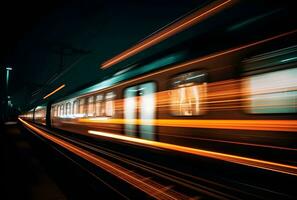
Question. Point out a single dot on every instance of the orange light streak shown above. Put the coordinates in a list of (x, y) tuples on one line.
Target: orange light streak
[(146, 185), (232, 142), (53, 92), (168, 32), (185, 182), (265, 125), (262, 164)]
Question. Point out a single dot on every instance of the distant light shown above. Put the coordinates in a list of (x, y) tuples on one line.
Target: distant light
[(10, 123), (169, 31), (53, 92), (9, 103), (8, 68)]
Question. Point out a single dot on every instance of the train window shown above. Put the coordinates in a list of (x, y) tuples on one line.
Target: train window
[(187, 94), (61, 110), (58, 111), (68, 108), (90, 108), (109, 104), (75, 107), (273, 92), (55, 111), (82, 106), (99, 108)]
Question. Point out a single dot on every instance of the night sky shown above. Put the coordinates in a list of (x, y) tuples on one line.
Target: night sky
[(64, 42), (40, 40)]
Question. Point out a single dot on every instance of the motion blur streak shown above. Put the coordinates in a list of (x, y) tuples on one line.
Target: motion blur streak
[(201, 59), (148, 186), (267, 125), (169, 31), (53, 92), (277, 167)]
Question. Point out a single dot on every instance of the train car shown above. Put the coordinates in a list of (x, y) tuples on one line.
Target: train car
[(232, 89), (229, 100), (40, 115), (206, 108), (29, 116)]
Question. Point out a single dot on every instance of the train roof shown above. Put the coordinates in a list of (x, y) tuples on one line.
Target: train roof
[(128, 73)]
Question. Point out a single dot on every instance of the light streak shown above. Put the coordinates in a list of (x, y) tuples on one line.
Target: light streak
[(262, 164), (289, 59), (169, 176), (168, 32), (53, 92), (231, 142), (148, 186), (266, 125), (196, 61)]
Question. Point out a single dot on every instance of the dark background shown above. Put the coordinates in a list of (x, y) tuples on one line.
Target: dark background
[(50, 43)]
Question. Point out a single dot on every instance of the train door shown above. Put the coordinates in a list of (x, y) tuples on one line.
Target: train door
[(139, 109)]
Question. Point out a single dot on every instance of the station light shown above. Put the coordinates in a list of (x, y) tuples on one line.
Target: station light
[(7, 75)]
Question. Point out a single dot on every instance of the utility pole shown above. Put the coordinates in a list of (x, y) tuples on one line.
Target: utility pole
[(3, 95), (6, 101)]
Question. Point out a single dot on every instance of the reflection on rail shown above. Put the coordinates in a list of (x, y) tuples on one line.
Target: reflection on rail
[(226, 157)]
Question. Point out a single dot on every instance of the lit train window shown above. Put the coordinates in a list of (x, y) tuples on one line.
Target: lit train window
[(274, 92), (75, 107), (109, 104), (68, 108), (82, 106), (99, 106), (188, 93), (61, 110), (55, 111), (58, 111), (90, 109)]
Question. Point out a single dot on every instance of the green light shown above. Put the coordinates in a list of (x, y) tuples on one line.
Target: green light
[(289, 59), (251, 20)]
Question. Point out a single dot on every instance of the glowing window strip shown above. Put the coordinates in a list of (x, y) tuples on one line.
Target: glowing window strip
[(255, 125), (168, 32), (53, 92)]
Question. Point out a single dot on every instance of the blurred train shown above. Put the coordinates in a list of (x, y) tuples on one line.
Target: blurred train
[(246, 95), (229, 96)]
